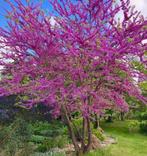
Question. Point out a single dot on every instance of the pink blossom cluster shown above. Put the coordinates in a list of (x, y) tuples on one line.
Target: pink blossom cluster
[(82, 62)]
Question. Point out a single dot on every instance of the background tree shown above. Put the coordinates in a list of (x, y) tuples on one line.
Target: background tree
[(75, 65)]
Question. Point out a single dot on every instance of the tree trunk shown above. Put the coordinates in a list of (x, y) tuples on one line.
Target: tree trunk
[(122, 116), (96, 122), (109, 119), (89, 134), (71, 131), (83, 135)]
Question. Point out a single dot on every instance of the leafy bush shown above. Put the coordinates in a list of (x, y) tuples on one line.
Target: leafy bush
[(49, 129), (143, 116), (99, 134), (133, 126), (50, 153), (38, 138), (49, 135), (42, 148), (143, 126), (49, 143), (143, 122), (14, 138)]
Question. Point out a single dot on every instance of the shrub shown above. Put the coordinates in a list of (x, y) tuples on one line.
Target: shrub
[(38, 138), (50, 153), (49, 135), (49, 143), (51, 129), (42, 148), (143, 122), (99, 134), (133, 126), (143, 126), (14, 138), (143, 116)]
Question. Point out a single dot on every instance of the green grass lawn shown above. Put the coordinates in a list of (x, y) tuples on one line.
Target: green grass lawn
[(129, 143)]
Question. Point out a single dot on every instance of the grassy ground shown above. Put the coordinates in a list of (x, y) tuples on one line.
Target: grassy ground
[(129, 143)]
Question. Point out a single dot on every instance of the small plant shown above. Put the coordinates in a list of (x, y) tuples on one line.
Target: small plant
[(50, 153), (133, 126), (99, 134), (42, 148), (142, 117), (38, 138)]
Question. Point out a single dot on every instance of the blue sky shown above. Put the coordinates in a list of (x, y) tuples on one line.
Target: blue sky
[(141, 5), (4, 5)]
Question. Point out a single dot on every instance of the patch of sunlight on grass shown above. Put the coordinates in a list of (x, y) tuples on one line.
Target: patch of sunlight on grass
[(129, 143)]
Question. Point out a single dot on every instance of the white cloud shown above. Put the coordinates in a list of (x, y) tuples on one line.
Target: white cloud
[(52, 21), (141, 5)]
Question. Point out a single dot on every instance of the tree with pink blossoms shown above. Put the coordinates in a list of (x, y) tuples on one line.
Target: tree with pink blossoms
[(82, 63)]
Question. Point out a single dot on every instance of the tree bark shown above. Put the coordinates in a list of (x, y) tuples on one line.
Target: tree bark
[(71, 131), (122, 116), (87, 147), (96, 122), (83, 134)]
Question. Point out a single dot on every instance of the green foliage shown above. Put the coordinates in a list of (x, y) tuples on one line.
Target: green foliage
[(130, 39), (139, 66), (14, 138), (100, 152), (99, 134), (25, 80), (42, 148), (143, 126), (51, 129), (118, 126), (49, 135), (143, 123), (49, 143), (121, 73), (142, 116), (143, 86), (78, 127), (136, 108), (133, 126), (50, 153), (109, 115), (38, 138), (44, 136)]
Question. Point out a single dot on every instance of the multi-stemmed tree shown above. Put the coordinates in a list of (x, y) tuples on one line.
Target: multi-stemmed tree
[(79, 64)]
